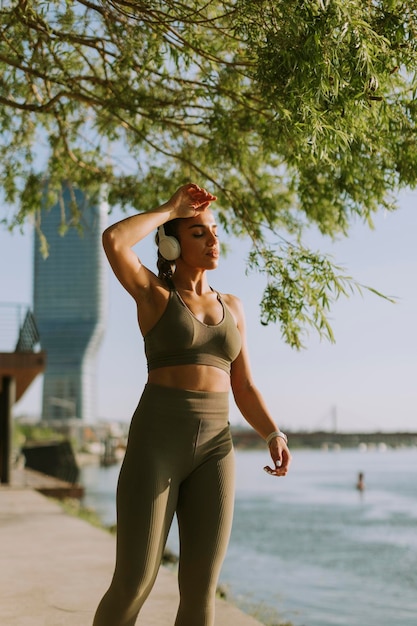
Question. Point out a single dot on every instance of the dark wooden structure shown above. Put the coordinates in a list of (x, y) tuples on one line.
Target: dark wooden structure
[(17, 371)]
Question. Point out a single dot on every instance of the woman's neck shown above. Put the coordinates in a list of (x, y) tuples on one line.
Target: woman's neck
[(197, 284)]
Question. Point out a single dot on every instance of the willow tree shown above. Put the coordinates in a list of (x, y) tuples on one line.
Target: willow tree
[(294, 113)]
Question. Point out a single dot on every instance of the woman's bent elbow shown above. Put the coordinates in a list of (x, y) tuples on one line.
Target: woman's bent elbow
[(109, 239)]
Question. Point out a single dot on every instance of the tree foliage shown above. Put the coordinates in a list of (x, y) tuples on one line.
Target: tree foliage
[(295, 113)]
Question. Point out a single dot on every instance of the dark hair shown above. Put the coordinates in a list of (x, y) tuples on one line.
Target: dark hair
[(166, 268)]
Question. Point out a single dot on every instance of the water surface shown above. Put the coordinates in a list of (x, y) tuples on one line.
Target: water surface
[(310, 547)]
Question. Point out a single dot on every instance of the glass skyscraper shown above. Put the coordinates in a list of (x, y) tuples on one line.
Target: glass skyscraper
[(69, 307)]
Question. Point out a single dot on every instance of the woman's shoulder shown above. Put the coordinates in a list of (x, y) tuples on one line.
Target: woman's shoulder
[(234, 304), (230, 299)]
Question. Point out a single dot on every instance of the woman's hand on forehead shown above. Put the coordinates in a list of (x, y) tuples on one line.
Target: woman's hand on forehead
[(201, 195), (189, 200)]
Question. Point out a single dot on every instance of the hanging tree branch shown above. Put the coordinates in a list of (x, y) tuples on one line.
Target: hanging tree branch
[(293, 113)]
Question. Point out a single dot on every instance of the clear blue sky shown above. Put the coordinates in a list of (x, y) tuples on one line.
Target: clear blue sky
[(368, 379)]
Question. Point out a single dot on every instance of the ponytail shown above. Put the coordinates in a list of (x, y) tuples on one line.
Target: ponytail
[(166, 268)]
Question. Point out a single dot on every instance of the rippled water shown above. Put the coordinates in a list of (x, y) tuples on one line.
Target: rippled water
[(311, 548)]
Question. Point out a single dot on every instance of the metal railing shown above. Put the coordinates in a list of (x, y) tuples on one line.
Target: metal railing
[(18, 331)]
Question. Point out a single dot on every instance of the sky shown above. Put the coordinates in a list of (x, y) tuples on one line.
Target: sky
[(366, 381)]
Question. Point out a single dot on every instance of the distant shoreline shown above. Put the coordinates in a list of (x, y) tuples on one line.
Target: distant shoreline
[(245, 438)]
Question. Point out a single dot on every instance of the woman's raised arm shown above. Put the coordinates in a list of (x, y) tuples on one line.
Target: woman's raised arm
[(119, 239)]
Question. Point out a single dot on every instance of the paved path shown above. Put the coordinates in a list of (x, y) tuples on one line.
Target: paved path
[(54, 568)]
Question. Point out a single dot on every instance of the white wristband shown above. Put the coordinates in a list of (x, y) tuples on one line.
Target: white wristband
[(276, 433)]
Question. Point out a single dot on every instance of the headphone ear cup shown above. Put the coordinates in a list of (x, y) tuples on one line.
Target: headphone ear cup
[(168, 246)]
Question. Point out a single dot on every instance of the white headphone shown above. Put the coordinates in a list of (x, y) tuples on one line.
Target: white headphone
[(168, 245)]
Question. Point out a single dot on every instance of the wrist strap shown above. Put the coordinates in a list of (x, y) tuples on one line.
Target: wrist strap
[(276, 433)]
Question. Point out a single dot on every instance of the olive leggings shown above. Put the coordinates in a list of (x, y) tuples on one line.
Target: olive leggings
[(179, 459)]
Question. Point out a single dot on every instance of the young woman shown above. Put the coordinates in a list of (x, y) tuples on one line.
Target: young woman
[(179, 458)]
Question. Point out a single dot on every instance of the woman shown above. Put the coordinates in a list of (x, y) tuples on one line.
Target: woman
[(179, 456)]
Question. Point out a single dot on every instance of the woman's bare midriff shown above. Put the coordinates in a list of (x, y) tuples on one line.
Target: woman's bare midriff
[(193, 377)]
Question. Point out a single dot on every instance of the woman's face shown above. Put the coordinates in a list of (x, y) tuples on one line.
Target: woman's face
[(199, 242)]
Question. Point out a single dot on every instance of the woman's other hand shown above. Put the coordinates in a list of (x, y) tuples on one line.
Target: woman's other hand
[(280, 456)]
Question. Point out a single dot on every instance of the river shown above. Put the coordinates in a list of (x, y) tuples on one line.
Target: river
[(310, 548)]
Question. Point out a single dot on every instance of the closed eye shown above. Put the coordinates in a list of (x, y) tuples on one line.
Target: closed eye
[(197, 235)]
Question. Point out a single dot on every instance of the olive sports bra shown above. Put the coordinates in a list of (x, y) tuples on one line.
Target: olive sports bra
[(179, 338)]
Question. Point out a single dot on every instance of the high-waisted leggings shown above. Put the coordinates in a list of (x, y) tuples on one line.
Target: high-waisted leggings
[(179, 459)]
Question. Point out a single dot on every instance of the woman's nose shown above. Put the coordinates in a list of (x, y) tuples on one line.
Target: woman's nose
[(211, 239)]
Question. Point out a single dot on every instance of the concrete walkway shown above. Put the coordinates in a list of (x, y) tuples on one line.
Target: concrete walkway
[(54, 568)]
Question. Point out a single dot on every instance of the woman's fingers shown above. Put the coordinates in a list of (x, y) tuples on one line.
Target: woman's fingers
[(278, 471), (201, 195), (192, 198), (202, 207)]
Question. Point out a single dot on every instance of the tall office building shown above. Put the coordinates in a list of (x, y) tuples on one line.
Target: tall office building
[(69, 306)]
